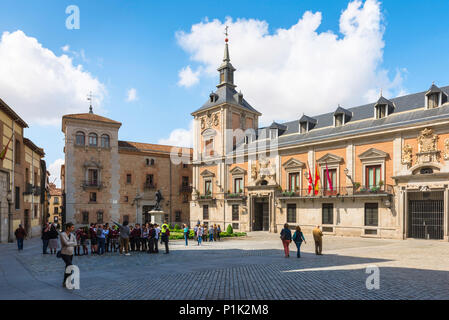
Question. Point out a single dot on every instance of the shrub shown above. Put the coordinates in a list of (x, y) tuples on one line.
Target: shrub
[(229, 229), (177, 227)]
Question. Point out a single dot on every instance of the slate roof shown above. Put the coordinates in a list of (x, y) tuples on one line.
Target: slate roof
[(226, 94), (408, 110)]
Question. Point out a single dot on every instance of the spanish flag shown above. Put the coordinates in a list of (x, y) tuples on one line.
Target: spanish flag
[(5, 150), (317, 180)]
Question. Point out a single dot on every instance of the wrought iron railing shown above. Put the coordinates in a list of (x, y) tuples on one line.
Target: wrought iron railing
[(92, 184), (149, 185), (340, 191), (185, 189)]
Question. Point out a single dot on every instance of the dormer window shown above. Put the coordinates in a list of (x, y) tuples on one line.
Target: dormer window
[(273, 133), (339, 120), (381, 111), (435, 97), (213, 97), (303, 127), (306, 124)]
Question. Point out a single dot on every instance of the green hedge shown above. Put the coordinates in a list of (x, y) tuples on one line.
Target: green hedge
[(180, 235)]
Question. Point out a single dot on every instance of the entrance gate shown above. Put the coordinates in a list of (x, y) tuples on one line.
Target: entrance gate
[(426, 215), (261, 215)]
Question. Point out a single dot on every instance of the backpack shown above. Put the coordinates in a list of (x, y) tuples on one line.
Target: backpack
[(283, 234), (99, 232)]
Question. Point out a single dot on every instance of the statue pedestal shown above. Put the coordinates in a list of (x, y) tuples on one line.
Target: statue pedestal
[(157, 217)]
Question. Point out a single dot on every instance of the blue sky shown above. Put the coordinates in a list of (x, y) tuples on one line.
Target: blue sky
[(133, 44)]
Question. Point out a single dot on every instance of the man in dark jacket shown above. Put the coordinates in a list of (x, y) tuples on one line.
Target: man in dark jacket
[(45, 238), (20, 234)]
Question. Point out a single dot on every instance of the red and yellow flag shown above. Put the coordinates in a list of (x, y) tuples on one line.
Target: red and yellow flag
[(310, 181), (5, 150), (317, 180)]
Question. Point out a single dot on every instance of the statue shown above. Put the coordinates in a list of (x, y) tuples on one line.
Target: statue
[(159, 198)]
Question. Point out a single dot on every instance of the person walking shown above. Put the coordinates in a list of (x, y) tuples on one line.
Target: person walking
[(68, 243), (318, 238), (124, 237), (44, 237), (165, 235), (157, 231), (298, 238), (195, 232), (218, 232), (199, 234), (20, 234), (53, 239), (101, 236), (286, 237), (151, 238), (211, 233), (186, 234)]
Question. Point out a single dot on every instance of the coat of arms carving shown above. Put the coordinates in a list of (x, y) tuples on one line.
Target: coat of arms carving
[(263, 170), (210, 120), (427, 141), (446, 149), (407, 155)]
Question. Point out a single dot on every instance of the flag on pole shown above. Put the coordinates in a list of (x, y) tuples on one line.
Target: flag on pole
[(329, 181), (310, 181), (5, 150), (317, 180)]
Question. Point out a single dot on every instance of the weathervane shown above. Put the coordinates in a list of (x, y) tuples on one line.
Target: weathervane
[(89, 98), (226, 33)]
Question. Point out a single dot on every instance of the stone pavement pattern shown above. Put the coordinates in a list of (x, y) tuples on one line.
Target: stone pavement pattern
[(248, 268)]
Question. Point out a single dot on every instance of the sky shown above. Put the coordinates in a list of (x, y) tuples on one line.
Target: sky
[(149, 64)]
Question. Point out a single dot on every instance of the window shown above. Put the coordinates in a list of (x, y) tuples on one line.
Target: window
[(100, 217), (291, 213), (185, 181), (55, 210), (92, 177), (93, 139), (333, 178), (185, 198), (56, 200), (426, 171), (128, 178), (80, 138), (35, 179), (209, 147), (17, 152), (93, 197), (85, 216), (381, 111), (27, 175), (152, 162), (208, 187), (105, 141), (17, 196), (235, 212), (126, 199), (185, 166), (433, 100), (238, 185), (373, 176), (338, 120), (371, 214), (328, 213), (235, 226), (303, 127), (205, 212), (165, 217), (149, 180), (178, 216), (293, 181), (273, 133), (36, 212)]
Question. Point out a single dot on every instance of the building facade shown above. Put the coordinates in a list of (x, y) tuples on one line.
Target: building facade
[(382, 168), (21, 196), (107, 180), (55, 204)]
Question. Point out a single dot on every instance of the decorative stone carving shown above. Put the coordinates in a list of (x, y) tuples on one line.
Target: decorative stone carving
[(210, 120), (427, 147), (263, 171), (446, 149), (407, 156), (254, 171)]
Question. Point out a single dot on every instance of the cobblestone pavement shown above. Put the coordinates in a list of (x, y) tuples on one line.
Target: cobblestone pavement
[(249, 268)]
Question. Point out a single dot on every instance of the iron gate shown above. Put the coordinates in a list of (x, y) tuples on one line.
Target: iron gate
[(426, 219)]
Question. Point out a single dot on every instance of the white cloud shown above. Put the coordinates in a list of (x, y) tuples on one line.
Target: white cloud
[(131, 95), (180, 137), (66, 48), (187, 77), (298, 69), (55, 172), (41, 86)]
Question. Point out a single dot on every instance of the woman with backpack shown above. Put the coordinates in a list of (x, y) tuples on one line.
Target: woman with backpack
[(286, 237), (298, 238)]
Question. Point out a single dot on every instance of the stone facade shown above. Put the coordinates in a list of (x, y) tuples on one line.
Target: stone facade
[(127, 175), (385, 183)]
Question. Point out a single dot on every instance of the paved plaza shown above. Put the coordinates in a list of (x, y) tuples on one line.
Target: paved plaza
[(248, 268)]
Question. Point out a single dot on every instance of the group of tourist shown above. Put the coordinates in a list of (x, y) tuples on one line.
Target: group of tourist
[(298, 239), (202, 233)]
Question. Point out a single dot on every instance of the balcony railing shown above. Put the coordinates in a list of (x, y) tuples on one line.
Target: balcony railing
[(91, 184), (235, 196), (149, 185), (187, 189), (28, 189), (339, 192)]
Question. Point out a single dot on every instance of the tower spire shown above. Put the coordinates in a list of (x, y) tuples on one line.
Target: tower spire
[(226, 69)]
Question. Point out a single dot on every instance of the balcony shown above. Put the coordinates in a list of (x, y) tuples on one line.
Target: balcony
[(92, 184), (28, 189), (185, 189), (362, 191), (239, 196), (149, 185), (206, 198)]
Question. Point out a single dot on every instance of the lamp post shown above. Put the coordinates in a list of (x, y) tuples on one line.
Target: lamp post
[(346, 171)]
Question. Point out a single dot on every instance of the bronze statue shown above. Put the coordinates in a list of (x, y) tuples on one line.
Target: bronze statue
[(159, 198)]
